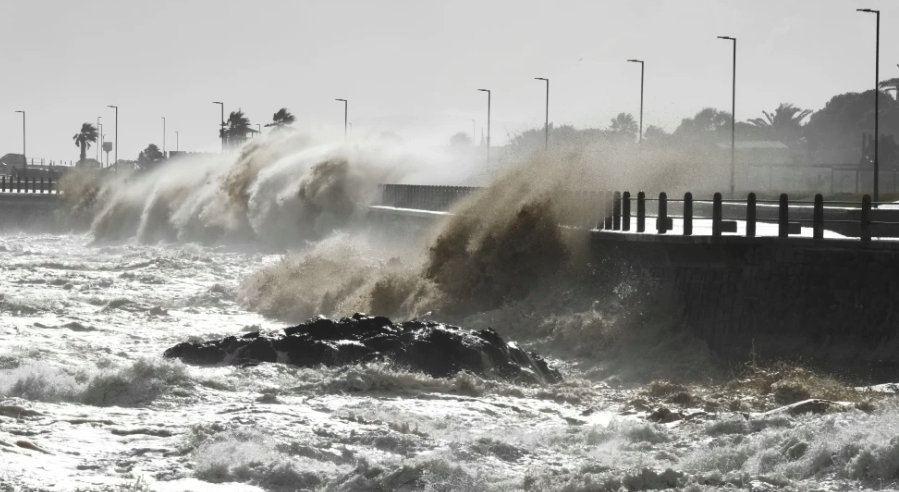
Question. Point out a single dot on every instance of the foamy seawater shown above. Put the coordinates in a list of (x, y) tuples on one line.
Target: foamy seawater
[(87, 403)]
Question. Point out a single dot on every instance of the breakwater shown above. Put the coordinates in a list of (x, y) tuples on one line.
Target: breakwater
[(30, 211), (793, 294)]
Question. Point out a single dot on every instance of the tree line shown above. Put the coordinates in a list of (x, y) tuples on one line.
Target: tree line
[(833, 135), (235, 131)]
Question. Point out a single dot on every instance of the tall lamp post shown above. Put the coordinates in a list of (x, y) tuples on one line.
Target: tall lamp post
[(100, 128), (876, 106), (24, 155), (546, 125), (102, 136), (489, 95), (177, 142), (642, 73), (733, 114), (116, 136), (222, 127), (346, 112)]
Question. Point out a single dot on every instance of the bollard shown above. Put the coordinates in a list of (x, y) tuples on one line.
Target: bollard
[(626, 211), (616, 211), (662, 219), (783, 216), (641, 212), (607, 202), (688, 214), (866, 218), (818, 219), (716, 215), (750, 215)]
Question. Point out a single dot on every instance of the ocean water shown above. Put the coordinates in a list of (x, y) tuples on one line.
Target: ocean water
[(88, 403)]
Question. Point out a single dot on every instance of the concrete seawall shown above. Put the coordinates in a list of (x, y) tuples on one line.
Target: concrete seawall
[(30, 212), (829, 302)]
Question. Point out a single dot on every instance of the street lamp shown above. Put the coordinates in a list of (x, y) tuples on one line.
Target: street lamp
[(24, 158), (222, 129), (116, 136), (876, 106), (642, 67), (100, 128), (163, 136), (489, 95), (733, 114), (346, 105), (546, 125), (177, 142), (259, 129)]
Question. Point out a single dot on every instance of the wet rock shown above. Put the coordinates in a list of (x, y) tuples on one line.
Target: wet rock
[(811, 406), (664, 415), (432, 348), (158, 311), (786, 392)]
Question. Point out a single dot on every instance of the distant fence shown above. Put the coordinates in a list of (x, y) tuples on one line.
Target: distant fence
[(17, 184), (621, 211), (423, 197)]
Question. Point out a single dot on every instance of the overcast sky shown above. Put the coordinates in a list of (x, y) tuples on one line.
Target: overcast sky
[(413, 66)]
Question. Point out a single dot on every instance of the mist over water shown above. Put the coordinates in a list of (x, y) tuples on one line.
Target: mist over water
[(214, 246)]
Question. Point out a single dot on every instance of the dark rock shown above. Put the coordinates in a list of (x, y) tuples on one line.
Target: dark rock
[(432, 348)]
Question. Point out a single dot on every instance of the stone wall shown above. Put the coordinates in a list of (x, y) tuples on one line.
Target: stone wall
[(826, 302), (31, 212), (832, 302)]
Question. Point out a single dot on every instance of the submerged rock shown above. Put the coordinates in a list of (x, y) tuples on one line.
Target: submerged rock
[(432, 348)]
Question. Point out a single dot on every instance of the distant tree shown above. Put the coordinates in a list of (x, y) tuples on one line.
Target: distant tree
[(460, 139), (150, 156), (708, 124), (655, 133), (85, 138), (535, 138), (624, 126), (236, 129), (784, 124), (281, 120), (834, 133)]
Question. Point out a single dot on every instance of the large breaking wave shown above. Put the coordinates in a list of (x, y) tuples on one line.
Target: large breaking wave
[(282, 190)]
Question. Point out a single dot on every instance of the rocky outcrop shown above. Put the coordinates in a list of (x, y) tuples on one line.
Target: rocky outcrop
[(432, 348)]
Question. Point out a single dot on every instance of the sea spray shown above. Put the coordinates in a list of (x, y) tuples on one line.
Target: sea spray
[(282, 190)]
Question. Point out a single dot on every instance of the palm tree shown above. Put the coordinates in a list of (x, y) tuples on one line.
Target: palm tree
[(784, 124), (282, 119), (625, 125), (236, 128), (85, 138)]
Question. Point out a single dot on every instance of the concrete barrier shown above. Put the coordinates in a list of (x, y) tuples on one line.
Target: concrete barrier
[(824, 301)]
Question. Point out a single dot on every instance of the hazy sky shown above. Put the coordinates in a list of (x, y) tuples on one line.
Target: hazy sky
[(413, 66)]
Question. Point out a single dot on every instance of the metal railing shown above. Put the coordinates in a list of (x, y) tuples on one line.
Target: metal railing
[(617, 211), (17, 184), (851, 216)]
